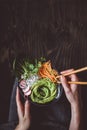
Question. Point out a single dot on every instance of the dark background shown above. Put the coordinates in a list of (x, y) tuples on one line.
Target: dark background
[(55, 24)]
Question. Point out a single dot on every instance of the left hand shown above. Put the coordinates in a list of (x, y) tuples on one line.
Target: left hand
[(23, 113)]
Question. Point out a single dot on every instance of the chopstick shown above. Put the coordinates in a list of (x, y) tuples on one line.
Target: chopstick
[(75, 82), (73, 72)]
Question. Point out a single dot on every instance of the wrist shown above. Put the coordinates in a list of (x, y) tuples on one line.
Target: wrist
[(19, 127), (75, 114), (76, 103), (75, 109)]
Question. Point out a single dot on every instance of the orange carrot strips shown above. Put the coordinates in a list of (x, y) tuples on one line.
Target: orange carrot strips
[(46, 71)]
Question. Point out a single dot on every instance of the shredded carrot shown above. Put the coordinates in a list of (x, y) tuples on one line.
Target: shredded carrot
[(46, 71)]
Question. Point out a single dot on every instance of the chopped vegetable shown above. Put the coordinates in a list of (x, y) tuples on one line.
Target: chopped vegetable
[(46, 71), (43, 91)]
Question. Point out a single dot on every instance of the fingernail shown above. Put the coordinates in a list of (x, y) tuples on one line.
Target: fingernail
[(61, 72)]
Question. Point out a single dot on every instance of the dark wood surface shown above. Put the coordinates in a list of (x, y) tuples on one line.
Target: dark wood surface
[(54, 27)]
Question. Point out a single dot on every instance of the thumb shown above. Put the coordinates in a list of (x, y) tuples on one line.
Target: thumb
[(65, 84), (19, 105), (27, 109)]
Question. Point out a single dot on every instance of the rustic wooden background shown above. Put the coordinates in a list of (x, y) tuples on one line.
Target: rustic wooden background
[(26, 25)]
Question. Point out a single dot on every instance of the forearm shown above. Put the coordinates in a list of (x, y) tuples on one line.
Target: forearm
[(18, 127), (75, 117), (21, 127)]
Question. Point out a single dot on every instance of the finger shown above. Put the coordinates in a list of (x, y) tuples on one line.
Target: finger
[(65, 84), (73, 77), (18, 98), (66, 71), (19, 105), (27, 109)]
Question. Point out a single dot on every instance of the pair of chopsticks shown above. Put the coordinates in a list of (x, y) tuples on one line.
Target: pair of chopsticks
[(74, 72)]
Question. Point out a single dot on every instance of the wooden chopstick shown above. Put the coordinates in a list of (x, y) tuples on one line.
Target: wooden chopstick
[(75, 82), (73, 72)]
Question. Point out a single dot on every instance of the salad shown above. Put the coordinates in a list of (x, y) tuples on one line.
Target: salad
[(38, 80)]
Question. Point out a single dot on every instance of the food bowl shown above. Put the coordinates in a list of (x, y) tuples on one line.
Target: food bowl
[(38, 82)]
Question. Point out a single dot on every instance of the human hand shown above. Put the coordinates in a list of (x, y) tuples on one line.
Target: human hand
[(23, 113), (72, 94), (71, 90)]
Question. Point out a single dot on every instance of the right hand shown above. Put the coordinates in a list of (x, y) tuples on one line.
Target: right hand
[(71, 90), (72, 94), (23, 113)]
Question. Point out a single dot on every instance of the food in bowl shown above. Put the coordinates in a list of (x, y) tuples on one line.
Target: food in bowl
[(38, 81)]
